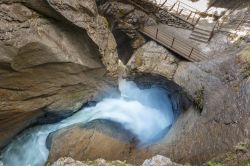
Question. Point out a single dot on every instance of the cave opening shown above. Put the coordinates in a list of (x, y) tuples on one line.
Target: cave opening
[(124, 48)]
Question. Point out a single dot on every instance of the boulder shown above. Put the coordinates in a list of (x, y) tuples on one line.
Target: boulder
[(153, 58), (96, 139), (65, 161), (159, 161)]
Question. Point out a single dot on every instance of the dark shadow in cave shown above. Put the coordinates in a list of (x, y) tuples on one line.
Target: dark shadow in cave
[(124, 48)]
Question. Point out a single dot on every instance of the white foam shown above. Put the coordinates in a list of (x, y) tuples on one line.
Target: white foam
[(145, 113)]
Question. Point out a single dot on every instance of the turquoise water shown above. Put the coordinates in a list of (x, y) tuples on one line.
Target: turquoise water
[(145, 113)]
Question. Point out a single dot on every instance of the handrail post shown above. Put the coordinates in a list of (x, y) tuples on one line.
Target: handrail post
[(193, 19), (241, 21), (172, 42), (163, 3), (190, 15), (156, 35), (172, 6), (197, 21), (191, 52), (180, 12), (178, 8)]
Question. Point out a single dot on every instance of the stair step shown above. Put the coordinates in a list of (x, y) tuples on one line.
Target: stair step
[(204, 28), (198, 39), (202, 32), (200, 36)]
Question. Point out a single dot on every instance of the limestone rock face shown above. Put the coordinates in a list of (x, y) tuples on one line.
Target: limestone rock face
[(153, 58), (222, 122), (52, 60), (78, 21), (219, 118), (84, 15), (127, 19)]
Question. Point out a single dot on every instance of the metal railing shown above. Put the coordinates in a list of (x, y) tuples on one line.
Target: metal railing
[(183, 10), (177, 45), (225, 20)]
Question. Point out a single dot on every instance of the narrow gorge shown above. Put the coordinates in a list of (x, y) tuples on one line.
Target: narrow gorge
[(82, 83)]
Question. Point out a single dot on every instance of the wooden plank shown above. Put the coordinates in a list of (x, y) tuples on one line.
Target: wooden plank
[(167, 41), (185, 52), (197, 52), (199, 56)]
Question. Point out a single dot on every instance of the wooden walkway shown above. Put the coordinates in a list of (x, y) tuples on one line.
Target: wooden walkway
[(176, 44)]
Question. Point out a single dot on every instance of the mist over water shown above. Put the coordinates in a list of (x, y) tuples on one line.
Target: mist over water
[(145, 113)]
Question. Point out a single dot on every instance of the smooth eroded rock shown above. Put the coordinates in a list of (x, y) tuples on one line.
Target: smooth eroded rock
[(97, 139)]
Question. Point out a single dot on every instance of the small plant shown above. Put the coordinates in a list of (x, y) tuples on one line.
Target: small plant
[(213, 163), (123, 163), (199, 98), (106, 22), (246, 73), (138, 60), (229, 157), (241, 146), (47, 164), (246, 163)]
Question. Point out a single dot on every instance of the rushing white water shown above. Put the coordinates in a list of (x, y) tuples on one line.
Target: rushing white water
[(145, 113)]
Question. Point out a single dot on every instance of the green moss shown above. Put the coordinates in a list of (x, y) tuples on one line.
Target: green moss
[(199, 98), (241, 146), (246, 163), (213, 163), (246, 73), (229, 157), (244, 56), (47, 164), (123, 163), (105, 21)]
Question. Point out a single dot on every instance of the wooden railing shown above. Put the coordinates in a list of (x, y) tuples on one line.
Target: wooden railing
[(224, 20), (175, 44), (183, 10), (178, 9)]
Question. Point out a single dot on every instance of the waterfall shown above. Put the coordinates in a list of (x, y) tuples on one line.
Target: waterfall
[(145, 113)]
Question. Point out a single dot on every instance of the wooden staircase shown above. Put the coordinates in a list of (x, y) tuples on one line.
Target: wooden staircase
[(202, 33)]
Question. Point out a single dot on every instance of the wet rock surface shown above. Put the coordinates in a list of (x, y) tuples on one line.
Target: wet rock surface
[(219, 93), (54, 56), (96, 139), (153, 58), (50, 61)]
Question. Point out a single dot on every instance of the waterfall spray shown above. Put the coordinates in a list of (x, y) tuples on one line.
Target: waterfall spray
[(145, 113)]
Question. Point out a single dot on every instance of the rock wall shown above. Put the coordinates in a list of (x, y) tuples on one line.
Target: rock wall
[(54, 56), (219, 117)]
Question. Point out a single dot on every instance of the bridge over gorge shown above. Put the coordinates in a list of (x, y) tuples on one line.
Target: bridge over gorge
[(201, 31), (166, 38), (174, 43)]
